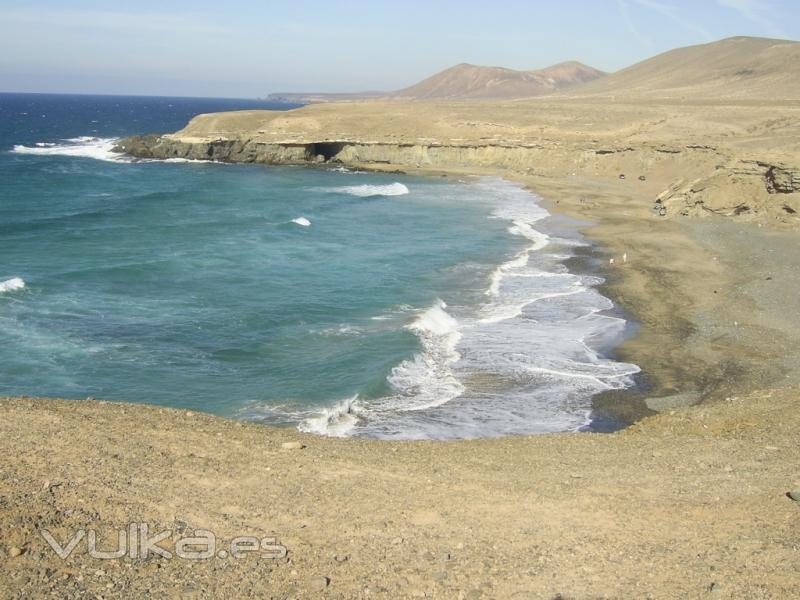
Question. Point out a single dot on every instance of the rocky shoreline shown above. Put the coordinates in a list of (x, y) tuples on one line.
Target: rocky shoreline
[(715, 177)]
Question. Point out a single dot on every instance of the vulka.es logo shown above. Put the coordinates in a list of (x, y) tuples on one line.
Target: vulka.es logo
[(136, 541)]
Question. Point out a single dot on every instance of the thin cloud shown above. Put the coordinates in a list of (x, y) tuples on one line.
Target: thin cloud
[(673, 13), (109, 20), (754, 11), (626, 16)]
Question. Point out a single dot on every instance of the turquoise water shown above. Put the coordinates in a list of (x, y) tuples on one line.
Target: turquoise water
[(343, 303)]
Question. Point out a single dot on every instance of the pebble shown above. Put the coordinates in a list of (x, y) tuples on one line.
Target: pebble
[(318, 583), (340, 558), (292, 446), (13, 552), (794, 495)]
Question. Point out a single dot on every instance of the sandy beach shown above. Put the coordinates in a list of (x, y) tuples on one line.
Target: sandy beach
[(700, 243)]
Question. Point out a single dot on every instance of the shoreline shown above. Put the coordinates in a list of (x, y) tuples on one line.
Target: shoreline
[(690, 499)]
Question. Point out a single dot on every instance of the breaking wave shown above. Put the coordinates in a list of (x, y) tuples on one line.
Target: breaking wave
[(90, 147), (337, 421), (528, 359), (12, 285), (84, 146), (366, 190)]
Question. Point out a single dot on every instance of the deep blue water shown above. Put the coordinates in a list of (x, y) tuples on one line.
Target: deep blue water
[(345, 303)]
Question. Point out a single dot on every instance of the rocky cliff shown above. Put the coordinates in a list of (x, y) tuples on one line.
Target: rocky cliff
[(715, 180)]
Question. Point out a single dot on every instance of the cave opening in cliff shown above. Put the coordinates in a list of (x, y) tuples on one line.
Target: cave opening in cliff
[(328, 150)]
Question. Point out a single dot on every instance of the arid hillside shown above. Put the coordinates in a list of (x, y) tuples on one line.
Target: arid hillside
[(733, 68), (466, 81)]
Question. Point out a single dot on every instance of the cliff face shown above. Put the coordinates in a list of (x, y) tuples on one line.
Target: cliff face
[(712, 179)]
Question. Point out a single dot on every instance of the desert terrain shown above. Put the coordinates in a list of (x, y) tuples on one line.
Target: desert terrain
[(686, 174)]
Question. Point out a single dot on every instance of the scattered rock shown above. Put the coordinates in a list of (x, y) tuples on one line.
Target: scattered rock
[(642, 178), (397, 540), (292, 446), (14, 552), (318, 583), (622, 175), (340, 558), (794, 495)]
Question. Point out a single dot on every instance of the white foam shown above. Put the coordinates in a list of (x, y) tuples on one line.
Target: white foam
[(302, 221), (184, 161), (12, 285), (527, 360), (366, 190), (336, 421), (83, 146), (426, 380), (344, 330), (92, 147), (345, 170)]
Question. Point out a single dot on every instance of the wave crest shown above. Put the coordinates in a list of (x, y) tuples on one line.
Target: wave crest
[(367, 190), (336, 421), (84, 146), (11, 285)]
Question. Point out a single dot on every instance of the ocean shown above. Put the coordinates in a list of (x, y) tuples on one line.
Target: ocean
[(339, 302)]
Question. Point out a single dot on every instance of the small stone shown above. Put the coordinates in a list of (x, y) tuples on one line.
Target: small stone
[(794, 495), (292, 446), (14, 552), (340, 558), (397, 540), (318, 583), (445, 556)]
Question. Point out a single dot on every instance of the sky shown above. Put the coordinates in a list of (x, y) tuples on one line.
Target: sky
[(248, 49)]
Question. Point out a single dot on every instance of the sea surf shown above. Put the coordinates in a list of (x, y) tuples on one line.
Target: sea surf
[(339, 302)]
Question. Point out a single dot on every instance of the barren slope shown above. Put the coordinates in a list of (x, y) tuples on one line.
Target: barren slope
[(736, 68), (472, 81)]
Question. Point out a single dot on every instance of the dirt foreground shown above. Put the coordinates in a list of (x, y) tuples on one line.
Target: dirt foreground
[(689, 502)]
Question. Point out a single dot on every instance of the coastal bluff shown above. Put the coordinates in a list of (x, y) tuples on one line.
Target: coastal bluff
[(738, 159)]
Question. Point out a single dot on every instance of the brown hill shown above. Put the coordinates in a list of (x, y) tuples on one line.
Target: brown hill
[(737, 67), (477, 82)]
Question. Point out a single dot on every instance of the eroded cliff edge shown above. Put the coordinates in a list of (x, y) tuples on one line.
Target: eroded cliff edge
[(736, 160)]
